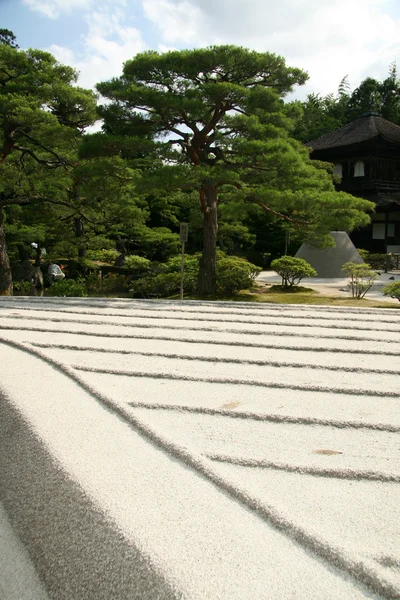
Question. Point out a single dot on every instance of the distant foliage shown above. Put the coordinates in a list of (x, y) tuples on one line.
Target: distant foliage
[(375, 260), (363, 253), (323, 114), (158, 243), (137, 264), (67, 288), (8, 38), (362, 278), (22, 288), (292, 270), (379, 261), (392, 290), (103, 255), (163, 280)]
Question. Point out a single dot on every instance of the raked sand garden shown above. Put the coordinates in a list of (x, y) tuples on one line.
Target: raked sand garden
[(198, 450)]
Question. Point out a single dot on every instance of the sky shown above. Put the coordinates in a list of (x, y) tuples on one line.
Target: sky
[(328, 38)]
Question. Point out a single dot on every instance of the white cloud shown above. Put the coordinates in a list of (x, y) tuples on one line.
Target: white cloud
[(177, 20), (107, 45), (328, 39), (53, 8)]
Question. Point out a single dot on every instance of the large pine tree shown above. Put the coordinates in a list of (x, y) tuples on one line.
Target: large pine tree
[(218, 125)]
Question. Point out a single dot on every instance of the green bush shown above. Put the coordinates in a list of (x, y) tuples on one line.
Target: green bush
[(375, 260), (379, 261), (235, 274), (361, 278), (157, 243), (165, 278), (292, 270), (137, 264), (363, 253), (392, 290), (112, 282), (103, 255), (67, 288), (22, 288)]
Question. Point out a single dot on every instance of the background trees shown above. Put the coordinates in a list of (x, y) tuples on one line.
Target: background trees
[(202, 128), (320, 115), (42, 119), (217, 125)]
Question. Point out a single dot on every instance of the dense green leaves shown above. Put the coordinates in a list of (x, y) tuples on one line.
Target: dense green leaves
[(320, 115), (292, 270), (201, 128), (219, 128)]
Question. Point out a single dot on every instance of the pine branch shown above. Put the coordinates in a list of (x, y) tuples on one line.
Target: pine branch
[(281, 216)]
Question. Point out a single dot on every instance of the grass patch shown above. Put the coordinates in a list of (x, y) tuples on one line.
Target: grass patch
[(282, 289), (298, 295)]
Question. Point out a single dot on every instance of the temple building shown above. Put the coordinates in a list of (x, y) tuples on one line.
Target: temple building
[(366, 158)]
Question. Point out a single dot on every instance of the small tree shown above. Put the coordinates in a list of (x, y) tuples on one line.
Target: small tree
[(292, 270), (362, 278), (392, 290), (235, 274)]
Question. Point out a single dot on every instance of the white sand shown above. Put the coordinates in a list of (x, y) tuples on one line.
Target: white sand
[(18, 577), (241, 451)]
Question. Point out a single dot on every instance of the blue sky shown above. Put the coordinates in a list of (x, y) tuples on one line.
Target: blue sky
[(358, 38)]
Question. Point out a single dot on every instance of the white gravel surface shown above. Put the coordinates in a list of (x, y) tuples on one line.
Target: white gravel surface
[(162, 450), (338, 286), (18, 576)]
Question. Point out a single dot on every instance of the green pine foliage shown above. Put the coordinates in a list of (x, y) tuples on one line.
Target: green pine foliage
[(292, 270), (392, 290), (212, 122), (163, 280)]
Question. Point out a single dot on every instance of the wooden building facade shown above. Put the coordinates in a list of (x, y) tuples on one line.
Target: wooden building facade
[(366, 159)]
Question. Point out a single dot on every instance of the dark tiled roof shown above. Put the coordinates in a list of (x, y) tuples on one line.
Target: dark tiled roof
[(361, 130)]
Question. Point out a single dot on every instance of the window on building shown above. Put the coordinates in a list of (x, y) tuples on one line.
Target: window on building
[(378, 231), (359, 169), (338, 169)]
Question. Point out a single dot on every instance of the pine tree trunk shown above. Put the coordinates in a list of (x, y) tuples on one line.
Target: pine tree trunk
[(207, 282), (6, 287), (79, 233)]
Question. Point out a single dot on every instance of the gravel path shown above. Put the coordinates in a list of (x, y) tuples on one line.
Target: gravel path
[(202, 450)]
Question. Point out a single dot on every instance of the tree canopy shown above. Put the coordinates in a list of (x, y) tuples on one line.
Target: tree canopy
[(320, 115), (213, 120), (205, 127), (43, 115)]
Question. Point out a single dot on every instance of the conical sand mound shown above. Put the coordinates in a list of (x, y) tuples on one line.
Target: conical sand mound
[(328, 262)]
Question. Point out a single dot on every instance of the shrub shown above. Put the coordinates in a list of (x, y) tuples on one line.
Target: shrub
[(67, 288), (21, 288), (165, 280), (392, 290), (137, 264), (103, 255), (375, 260), (292, 270), (379, 261), (363, 253), (361, 276), (112, 282), (157, 243), (235, 274)]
